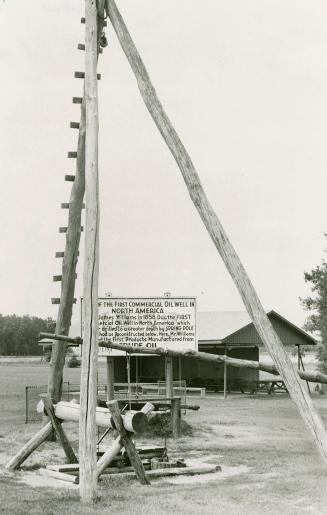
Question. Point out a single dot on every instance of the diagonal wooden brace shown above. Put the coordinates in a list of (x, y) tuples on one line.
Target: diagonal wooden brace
[(56, 424), (128, 443)]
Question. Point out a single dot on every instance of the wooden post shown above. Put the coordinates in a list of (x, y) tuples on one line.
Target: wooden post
[(176, 416), (110, 378), (169, 376), (218, 235), (30, 447), (225, 376), (87, 426)]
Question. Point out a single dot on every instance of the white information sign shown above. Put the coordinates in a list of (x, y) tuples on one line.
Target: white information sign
[(147, 322)]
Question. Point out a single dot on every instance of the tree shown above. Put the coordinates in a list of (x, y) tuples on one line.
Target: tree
[(317, 306), (19, 335)]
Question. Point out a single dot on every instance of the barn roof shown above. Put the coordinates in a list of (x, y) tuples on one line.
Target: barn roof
[(236, 327)]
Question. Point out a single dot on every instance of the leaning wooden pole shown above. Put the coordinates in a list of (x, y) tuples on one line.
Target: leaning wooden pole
[(70, 255), (88, 399), (218, 235)]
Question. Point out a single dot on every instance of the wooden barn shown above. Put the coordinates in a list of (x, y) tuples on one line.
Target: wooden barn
[(218, 332)]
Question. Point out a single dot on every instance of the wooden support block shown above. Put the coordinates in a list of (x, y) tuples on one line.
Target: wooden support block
[(77, 100), (59, 254), (29, 447), (81, 75), (81, 46), (60, 475), (104, 23), (65, 205), (61, 435), (72, 155), (74, 125), (56, 300), (65, 229), (70, 178), (109, 456), (128, 443)]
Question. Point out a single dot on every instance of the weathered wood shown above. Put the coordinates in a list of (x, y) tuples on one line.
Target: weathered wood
[(56, 300), (69, 478), (109, 455), (77, 100), (63, 230), (175, 471), (104, 24), (61, 435), (30, 447), (72, 154), (81, 46), (314, 377), (70, 178), (110, 378), (74, 125), (65, 205), (169, 376), (81, 75), (128, 443), (218, 235), (88, 394), (176, 416), (59, 254)]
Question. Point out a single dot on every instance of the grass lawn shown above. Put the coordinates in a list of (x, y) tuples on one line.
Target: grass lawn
[(269, 464)]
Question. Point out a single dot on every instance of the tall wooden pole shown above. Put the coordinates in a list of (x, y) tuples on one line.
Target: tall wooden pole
[(87, 426), (218, 235)]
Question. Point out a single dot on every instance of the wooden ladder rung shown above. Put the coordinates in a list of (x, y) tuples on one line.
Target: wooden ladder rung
[(56, 300), (104, 23), (74, 125), (72, 155), (64, 229), (81, 75), (70, 178), (77, 100), (81, 46), (65, 205)]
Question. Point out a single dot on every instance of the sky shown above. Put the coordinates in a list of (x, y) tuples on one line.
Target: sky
[(244, 84)]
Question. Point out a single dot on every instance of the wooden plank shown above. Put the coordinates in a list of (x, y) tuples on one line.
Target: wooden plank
[(56, 300), (65, 205), (59, 254), (219, 237), (74, 125), (109, 456), (169, 376), (68, 450), (128, 443), (72, 154), (77, 100), (65, 229), (88, 394), (81, 46), (70, 178), (69, 478), (30, 447), (176, 417), (178, 471), (104, 23)]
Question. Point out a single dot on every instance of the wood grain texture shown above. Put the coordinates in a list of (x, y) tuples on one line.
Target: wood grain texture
[(40, 437), (218, 235)]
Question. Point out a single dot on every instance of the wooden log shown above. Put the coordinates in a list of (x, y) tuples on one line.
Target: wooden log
[(70, 178), (65, 205), (88, 394), (56, 300), (72, 154), (68, 450), (69, 478), (176, 417), (128, 443), (74, 125), (59, 254), (63, 230), (314, 377), (77, 100), (176, 471), (110, 378), (81, 75), (169, 376), (219, 237), (30, 447)]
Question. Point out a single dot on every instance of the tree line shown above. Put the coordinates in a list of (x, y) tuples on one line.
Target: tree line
[(19, 334)]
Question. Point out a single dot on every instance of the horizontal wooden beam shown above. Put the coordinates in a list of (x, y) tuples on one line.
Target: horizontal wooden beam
[(59, 254), (77, 100), (74, 125), (72, 154), (58, 278), (70, 178), (65, 229), (314, 377), (104, 22), (81, 75)]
